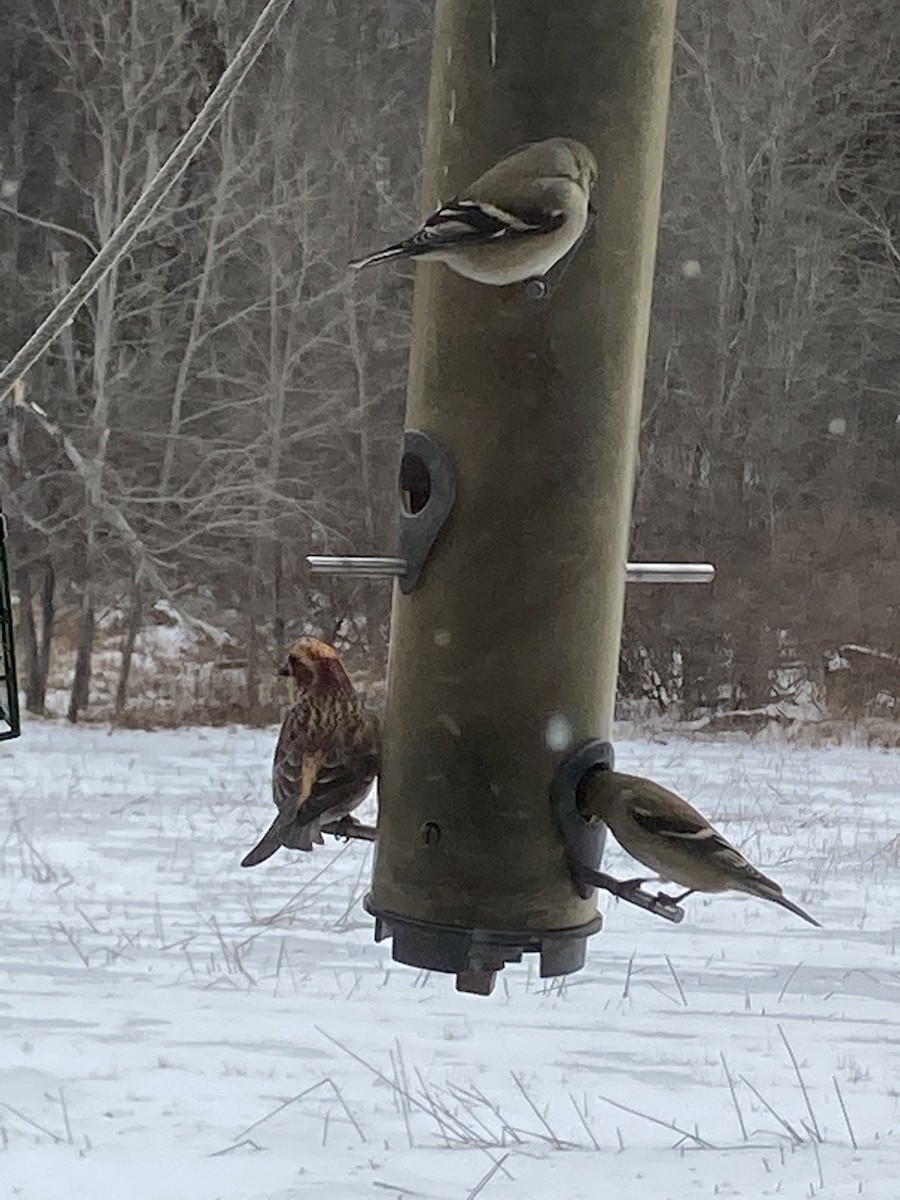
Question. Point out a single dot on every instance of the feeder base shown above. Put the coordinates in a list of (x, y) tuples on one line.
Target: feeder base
[(475, 956)]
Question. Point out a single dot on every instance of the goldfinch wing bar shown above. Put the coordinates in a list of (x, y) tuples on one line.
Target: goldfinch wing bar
[(470, 222), (670, 824), (703, 840)]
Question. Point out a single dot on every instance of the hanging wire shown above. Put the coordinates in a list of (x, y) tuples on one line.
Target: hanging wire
[(145, 206)]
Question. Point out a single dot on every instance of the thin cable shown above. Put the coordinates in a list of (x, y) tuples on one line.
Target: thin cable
[(217, 101)]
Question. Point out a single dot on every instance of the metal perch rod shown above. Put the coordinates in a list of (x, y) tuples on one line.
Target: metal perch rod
[(660, 904), (351, 830), (363, 567)]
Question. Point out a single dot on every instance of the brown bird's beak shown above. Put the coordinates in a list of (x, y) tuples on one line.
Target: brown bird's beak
[(284, 670)]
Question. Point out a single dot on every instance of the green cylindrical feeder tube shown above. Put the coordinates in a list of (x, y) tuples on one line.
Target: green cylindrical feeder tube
[(505, 655)]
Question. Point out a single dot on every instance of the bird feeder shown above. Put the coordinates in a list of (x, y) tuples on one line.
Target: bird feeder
[(515, 495), (9, 695)]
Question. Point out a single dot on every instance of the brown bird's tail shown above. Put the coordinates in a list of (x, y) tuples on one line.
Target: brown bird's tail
[(265, 847), (757, 884), (302, 837)]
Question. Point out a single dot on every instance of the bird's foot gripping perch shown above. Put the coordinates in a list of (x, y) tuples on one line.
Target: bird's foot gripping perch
[(540, 288), (349, 829), (631, 891)]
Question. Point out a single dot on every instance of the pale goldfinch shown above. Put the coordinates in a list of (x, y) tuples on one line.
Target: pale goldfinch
[(327, 753), (514, 222), (669, 836)]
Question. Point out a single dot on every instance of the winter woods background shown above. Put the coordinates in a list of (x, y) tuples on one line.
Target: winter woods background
[(238, 397)]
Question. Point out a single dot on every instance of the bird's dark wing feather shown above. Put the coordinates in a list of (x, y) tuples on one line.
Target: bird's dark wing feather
[(470, 223), (669, 825), (703, 838), (290, 753), (534, 220), (336, 783)]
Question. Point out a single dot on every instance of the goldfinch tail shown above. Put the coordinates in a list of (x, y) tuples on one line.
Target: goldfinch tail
[(400, 250), (757, 884), (794, 908)]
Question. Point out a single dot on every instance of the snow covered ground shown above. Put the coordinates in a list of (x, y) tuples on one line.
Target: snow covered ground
[(174, 1027)]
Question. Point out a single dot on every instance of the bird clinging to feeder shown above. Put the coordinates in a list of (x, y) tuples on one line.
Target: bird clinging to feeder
[(514, 223), (327, 754), (665, 833)]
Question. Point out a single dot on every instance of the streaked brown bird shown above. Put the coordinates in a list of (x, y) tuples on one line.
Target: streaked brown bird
[(327, 754), (668, 835)]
